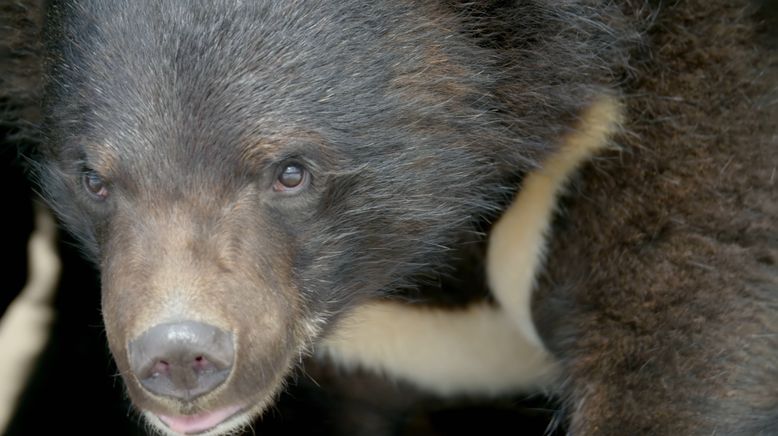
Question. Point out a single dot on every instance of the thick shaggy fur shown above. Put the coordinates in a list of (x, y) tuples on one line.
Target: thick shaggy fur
[(485, 349), (415, 119), (661, 289)]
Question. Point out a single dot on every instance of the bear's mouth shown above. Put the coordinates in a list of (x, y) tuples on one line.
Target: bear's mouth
[(201, 422)]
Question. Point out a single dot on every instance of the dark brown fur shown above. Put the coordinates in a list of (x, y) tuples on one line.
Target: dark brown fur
[(661, 290), (660, 294)]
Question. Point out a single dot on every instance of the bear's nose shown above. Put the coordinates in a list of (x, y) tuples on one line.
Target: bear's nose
[(182, 360)]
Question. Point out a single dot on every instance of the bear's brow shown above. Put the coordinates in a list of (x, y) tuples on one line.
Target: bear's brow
[(277, 147), (103, 158)]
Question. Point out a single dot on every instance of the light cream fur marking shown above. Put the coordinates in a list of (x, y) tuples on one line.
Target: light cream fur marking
[(25, 326), (472, 351), (517, 243), (483, 349)]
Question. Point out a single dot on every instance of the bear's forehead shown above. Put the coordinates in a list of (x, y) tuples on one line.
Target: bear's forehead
[(155, 78), (252, 49), (191, 67)]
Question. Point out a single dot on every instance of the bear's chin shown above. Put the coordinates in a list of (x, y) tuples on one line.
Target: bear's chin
[(226, 420)]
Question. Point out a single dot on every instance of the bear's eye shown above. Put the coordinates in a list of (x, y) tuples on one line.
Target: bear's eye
[(95, 185), (292, 178)]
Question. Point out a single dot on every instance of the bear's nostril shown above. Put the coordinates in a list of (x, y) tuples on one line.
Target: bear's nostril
[(182, 360), (160, 368), (201, 364)]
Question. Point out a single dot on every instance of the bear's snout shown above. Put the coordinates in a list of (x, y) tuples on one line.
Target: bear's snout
[(182, 360)]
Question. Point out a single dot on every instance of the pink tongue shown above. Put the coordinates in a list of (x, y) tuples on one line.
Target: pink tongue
[(200, 422)]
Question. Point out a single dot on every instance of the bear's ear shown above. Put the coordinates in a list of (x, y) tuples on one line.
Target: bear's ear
[(517, 242), (482, 349)]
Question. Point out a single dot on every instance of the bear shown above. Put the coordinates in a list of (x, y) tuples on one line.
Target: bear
[(248, 176), (318, 215)]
